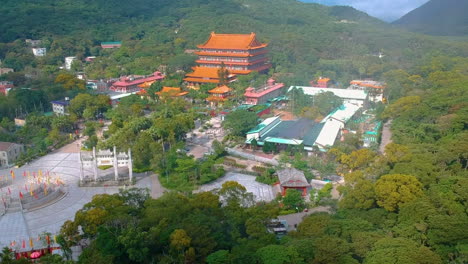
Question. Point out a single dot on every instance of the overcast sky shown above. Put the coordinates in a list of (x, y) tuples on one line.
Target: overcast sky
[(388, 10)]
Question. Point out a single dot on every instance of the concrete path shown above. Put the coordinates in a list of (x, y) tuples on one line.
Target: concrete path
[(295, 219), (156, 188), (262, 192), (386, 136)]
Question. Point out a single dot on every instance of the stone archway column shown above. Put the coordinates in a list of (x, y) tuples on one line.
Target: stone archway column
[(95, 168), (130, 165), (116, 171)]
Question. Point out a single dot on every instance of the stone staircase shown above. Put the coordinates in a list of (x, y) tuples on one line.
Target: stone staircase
[(14, 206)]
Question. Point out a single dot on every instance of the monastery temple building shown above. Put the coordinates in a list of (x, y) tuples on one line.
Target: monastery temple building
[(239, 53), (206, 75), (263, 94), (129, 84)]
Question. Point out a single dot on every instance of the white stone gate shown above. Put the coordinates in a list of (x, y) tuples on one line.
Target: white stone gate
[(106, 158)]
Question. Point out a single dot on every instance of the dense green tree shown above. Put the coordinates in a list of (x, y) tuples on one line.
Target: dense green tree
[(400, 250), (293, 200), (331, 250), (88, 106), (240, 122), (276, 254), (299, 100), (394, 190), (360, 196), (219, 257), (70, 82), (326, 102)]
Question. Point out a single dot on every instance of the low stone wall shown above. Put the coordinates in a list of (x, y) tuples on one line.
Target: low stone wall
[(29, 203)]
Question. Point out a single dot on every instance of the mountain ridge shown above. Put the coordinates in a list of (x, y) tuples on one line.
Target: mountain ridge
[(437, 17)]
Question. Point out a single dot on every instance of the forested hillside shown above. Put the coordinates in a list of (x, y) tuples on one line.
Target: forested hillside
[(305, 39), (438, 17), (405, 205)]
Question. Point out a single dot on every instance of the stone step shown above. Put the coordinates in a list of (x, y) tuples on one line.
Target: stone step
[(13, 210)]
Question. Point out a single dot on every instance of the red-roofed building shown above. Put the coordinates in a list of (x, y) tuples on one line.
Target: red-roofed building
[(5, 86), (263, 94), (291, 178), (240, 53), (201, 75), (129, 84)]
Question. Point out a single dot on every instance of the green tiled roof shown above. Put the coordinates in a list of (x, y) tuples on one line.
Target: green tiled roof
[(283, 141), (312, 135), (112, 43)]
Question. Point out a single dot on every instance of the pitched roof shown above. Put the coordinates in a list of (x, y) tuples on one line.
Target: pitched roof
[(112, 43), (290, 129), (232, 41), (146, 84), (4, 146), (342, 93), (204, 72), (369, 83), (171, 91), (291, 177), (256, 93), (323, 80), (61, 102), (220, 90), (129, 82)]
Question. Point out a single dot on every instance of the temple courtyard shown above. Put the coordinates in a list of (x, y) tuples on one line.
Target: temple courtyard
[(22, 225)]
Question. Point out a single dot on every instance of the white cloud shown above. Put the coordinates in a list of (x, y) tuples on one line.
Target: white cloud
[(388, 10)]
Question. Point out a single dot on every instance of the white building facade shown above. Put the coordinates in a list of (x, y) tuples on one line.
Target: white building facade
[(356, 97), (69, 62), (39, 52), (9, 153)]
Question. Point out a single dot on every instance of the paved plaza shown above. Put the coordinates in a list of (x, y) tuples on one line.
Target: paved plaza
[(19, 226), (24, 225), (262, 192), (200, 143)]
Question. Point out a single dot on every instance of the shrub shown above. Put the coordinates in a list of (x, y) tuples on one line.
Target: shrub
[(105, 167), (259, 169)]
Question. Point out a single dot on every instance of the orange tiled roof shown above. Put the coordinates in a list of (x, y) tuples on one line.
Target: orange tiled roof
[(232, 41), (171, 91), (323, 80), (206, 72), (367, 83), (220, 90), (146, 84), (216, 99), (201, 80), (231, 54)]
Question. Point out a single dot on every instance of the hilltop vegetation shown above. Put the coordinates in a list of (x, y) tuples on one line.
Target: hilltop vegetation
[(306, 40), (407, 205), (438, 17)]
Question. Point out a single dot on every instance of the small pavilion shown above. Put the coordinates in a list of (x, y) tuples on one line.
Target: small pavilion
[(219, 94), (291, 178)]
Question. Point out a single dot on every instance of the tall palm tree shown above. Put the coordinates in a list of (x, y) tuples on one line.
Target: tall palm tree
[(6, 256)]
